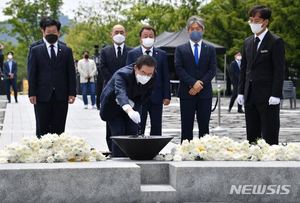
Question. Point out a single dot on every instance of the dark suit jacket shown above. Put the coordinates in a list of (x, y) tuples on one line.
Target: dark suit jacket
[(188, 72), (234, 72), (44, 76), (265, 70), (161, 88), (109, 63), (41, 41), (14, 69), (120, 88)]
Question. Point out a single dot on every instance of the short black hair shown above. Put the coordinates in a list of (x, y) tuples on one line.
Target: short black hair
[(51, 22), (43, 20), (145, 60), (10, 52), (264, 12), (147, 27)]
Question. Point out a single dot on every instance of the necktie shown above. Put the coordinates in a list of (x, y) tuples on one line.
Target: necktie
[(53, 55), (256, 42), (196, 53), (147, 52), (119, 52)]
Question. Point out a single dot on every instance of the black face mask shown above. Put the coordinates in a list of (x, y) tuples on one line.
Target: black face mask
[(86, 56), (51, 38)]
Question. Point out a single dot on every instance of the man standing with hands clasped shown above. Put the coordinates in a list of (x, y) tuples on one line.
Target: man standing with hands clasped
[(261, 78), (196, 65), (10, 70), (52, 80)]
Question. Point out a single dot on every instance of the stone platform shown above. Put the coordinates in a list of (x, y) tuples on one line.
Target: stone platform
[(122, 180)]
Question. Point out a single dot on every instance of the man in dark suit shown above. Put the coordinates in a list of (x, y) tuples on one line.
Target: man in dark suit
[(161, 92), (123, 96), (52, 81), (261, 78), (10, 69), (196, 65), (112, 58), (234, 74), (41, 41)]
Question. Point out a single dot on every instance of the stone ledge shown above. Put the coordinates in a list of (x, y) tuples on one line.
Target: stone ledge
[(120, 181), (70, 182)]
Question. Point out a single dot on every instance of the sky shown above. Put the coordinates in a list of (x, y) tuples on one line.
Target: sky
[(67, 8)]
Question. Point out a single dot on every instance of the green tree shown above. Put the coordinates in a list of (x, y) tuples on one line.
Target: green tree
[(24, 18), (285, 22)]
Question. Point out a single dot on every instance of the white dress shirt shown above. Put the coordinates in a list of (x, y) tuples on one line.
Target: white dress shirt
[(48, 45), (144, 51), (116, 48), (261, 37), (193, 47)]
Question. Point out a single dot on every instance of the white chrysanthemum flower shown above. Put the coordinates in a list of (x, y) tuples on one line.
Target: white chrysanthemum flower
[(177, 157), (159, 157), (168, 157), (50, 159)]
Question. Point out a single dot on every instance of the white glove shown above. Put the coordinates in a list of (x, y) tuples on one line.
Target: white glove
[(240, 99), (134, 116), (274, 101)]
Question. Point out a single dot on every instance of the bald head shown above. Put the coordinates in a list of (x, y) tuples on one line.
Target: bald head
[(118, 28), (118, 34)]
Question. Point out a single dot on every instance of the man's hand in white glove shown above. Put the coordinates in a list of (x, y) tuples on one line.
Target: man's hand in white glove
[(134, 116), (240, 99), (274, 101)]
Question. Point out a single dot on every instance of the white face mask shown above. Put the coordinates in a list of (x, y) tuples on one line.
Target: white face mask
[(143, 79), (148, 42), (256, 28), (119, 39), (9, 56)]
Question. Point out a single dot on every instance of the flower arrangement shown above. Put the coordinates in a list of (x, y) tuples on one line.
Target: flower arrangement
[(50, 148), (214, 148)]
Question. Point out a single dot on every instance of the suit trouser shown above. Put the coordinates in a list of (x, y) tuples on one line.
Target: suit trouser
[(11, 83), (108, 139), (262, 121), (121, 125), (37, 125), (99, 87), (155, 113), (233, 97), (188, 108), (51, 116)]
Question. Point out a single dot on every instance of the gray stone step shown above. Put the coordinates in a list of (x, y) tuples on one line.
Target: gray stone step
[(158, 193)]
